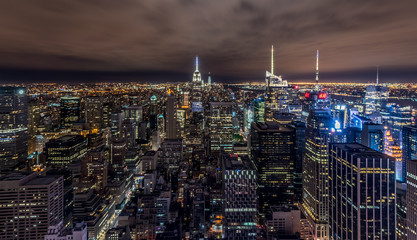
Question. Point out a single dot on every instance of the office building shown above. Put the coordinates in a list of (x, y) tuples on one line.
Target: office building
[(29, 205), (60, 232), (68, 193), (372, 136), (362, 193), (411, 197), (221, 126), (171, 118), (393, 149), (273, 152), (276, 97), (65, 150), (398, 118), (239, 197), (300, 142), (409, 147), (376, 98), (283, 221), (13, 127), (170, 153), (316, 173), (69, 111), (94, 112)]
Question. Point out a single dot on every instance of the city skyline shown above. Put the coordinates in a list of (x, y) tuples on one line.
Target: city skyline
[(192, 119), (156, 41)]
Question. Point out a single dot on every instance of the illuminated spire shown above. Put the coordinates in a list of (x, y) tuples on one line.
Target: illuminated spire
[(377, 75), (272, 60), (317, 68), (196, 63)]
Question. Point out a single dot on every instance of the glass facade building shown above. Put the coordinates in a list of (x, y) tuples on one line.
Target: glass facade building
[(273, 152), (316, 173), (13, 127), (239, 197), (409, 147)]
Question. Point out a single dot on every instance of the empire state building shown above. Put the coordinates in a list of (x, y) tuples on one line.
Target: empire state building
[(197, 74)]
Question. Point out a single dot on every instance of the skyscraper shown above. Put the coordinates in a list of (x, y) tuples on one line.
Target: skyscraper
[(64, 150), (300, 143), (373, 136), (317, 98), (221, 126), (273, 152), (29, 204), (69, 111), (171, 118), (13, 127), (239, 197), (276, 92), (94, 112), (411, 199), (392, 149), (362, 193), (409, 147), (197, 74), (316, 173), (376, 97)]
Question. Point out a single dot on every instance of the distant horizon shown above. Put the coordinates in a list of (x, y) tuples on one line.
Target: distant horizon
[(368, 75)]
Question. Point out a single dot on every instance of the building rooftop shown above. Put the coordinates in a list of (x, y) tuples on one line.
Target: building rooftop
[(237, 162), (270, 127), (150, 153), (26, 179), (359, 148)]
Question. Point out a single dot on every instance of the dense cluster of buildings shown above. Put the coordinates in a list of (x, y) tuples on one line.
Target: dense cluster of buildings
[(200, 160)]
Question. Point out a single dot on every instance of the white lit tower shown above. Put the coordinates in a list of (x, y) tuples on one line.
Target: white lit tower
[(376, 97), (197, 74), (276, 92), (316, 98)]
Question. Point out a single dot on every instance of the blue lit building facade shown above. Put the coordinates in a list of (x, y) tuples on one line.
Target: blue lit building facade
[(409, 137)]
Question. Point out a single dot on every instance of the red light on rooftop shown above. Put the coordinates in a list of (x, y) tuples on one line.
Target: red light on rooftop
[(322, 95)]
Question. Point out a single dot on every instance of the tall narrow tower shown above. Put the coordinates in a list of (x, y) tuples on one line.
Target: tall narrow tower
[(196, 75), (272, 60), (377, 75), (317, 69)]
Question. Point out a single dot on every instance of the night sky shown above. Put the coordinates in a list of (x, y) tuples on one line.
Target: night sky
[(157, 40)]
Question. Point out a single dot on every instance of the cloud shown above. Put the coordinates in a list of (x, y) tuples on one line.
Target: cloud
[(232, 38)]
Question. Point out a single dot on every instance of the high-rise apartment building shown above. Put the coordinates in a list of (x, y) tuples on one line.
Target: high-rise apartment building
[(29, 205), (362, 193), (13, 127)]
